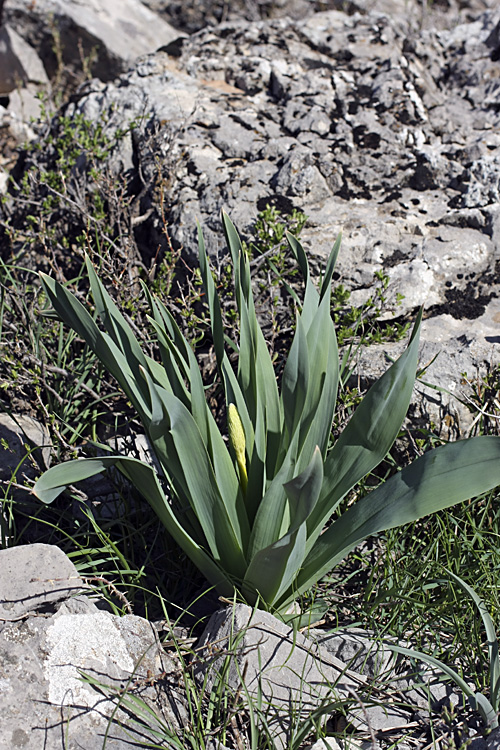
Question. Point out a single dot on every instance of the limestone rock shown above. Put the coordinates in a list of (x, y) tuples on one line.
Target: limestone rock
[(19, 63), (117, 31), (455, 354), (51, 635), (269, 659), (370, 123)]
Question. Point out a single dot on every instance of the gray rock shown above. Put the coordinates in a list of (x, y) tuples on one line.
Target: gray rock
[(35, 577), (25, 448), (52, 636), (293, 674), (25, 106), (116, 32), (19, 63), (455, 356)]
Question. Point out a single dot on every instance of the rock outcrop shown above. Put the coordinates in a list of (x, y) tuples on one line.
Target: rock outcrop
[(364, 122)]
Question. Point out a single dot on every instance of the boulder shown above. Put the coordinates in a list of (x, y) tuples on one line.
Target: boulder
[(54, 641), (19, 63), (114, 32), (293, 674)]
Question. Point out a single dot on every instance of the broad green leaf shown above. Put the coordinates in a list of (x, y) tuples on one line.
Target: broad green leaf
[(173, 365), (171, 462), (256, 462), (299, 255), (187, 366), (114, 322), (257, 380), (212, 300), (223, 519), (295, 380), (55, 480), (440, 478), (143, 477), (168, 325), (320, 404), (330, 268), (369, 434), (76, 316), (242, 282), (272, 569), (232, 388), (273, 508), (311, 296), (256, 376)]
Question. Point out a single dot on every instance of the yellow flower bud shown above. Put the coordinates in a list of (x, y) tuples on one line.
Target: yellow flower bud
[(237, 440)]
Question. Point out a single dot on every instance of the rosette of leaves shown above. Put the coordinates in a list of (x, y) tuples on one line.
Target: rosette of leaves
[(257, 513)]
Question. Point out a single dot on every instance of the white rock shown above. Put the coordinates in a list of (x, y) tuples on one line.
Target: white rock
[(119, 30)]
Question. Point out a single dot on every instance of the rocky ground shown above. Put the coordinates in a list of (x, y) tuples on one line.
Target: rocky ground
[(380, 120), (54, 630)]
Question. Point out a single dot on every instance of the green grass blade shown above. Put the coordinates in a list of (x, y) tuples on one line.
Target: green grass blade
[(477, 701), (414, 654), (491, 637)]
